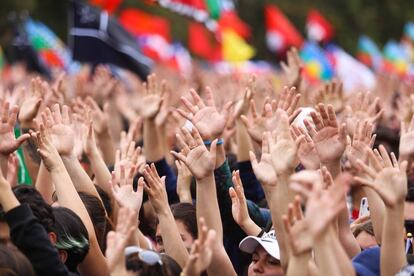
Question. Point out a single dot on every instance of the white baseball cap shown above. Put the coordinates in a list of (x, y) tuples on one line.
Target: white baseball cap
[(268, 241)]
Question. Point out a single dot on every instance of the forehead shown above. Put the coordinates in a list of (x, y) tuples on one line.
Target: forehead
[(262, 253)]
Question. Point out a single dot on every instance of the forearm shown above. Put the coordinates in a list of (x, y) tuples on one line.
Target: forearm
[(7, 199), (44, 184), (79, 177), (377, 212), (3, 163), (324, 254), (345, 235), (107, 146), (173, 243), (250, 228), (298, 265), (31, 158), (99, 168), (392, 248), (206, 196), (244, 144), (154, 149)]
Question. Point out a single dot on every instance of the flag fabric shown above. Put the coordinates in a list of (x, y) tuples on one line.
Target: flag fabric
[(396, 60), (280, 32), (203, 43), (51, 50), (369, 53), (409, 31), (318, 28), (235, 49), (96, 37), (361, 77), (230, 20), (108, 5), (317, 66)]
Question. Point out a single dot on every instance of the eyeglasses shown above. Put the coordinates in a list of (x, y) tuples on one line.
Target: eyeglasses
[(147, 256)]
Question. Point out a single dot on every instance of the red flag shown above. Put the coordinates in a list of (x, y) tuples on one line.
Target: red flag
[(318, 28), (141, 23), (280, 33), (202, 43), (109, 5), (230, 20)]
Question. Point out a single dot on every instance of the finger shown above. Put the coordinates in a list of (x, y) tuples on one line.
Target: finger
[(310, 128), (57, 116), (253, 108), (385, 156), (209, 97), (317, 120), (197, 100), (190, 107)]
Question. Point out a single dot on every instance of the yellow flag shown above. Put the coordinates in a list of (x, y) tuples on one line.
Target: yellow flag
[(234, 48)]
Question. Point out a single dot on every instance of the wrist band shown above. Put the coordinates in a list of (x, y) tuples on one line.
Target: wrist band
[(219, 142)]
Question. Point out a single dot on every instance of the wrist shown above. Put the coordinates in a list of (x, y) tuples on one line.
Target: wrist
[(209, 178)]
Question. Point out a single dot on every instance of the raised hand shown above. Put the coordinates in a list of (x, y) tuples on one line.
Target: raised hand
[(8, 141), (385, 176), (12, 169), (59, 127), (205, 116), (293, 67), (123, 190), (329, 138), (264, 169), (31, 103), (184, 177), (306, 152), (155, 188), (241, 107), (201, 252), (117, 240), (194, 153), (362, 142), (150, 103), (302, 182), (406, 148), (361, 109), (238, 200), (332, 93), (282, 146)]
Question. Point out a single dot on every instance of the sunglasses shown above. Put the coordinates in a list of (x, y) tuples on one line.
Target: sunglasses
[(147, 256)]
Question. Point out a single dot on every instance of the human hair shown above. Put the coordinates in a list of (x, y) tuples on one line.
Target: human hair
[(186, 213), (363, 227), (14, 263), (97, 214), (106, 200), (169, 266), (72, 236), (410, 191), (41, 210)]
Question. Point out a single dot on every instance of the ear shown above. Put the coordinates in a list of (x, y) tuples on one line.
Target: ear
[(63, 256), (52, 238)]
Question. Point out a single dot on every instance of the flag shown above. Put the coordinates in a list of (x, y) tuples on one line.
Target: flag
[(203, 43), (280, 33), (396, 60), (96, 37), (235, 49), (369, 53), (361, 76), (180, 59), (317, 66), (51, 50), (409, 31), (108, 5), (318, 28), (230, 20)]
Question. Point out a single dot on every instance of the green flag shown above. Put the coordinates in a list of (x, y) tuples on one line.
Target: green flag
[(23, 176)]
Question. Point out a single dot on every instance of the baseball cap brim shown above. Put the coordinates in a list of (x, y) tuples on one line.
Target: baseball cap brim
[(250, 243)]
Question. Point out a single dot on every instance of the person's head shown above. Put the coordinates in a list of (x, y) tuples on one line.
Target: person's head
[(186, 220), (72, 237), (97, 214), (265, 254), (14, 263), (106, 200), (41, 210), (150, 263), (364, 235)]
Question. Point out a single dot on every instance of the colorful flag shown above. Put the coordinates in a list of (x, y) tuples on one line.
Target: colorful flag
[(317, 66), (235, 49), (318, 28), (280, 32), (51, 50), (361, 76), (396, 60), (409, 31), (369, 53), (230, 20), (108, 5), (203, 43)]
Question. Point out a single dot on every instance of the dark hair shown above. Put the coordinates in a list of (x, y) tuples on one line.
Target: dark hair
[(410, 191), (97, 214), (14, 263), (186, 213), (41, 210), (72, 236), (169, 266)]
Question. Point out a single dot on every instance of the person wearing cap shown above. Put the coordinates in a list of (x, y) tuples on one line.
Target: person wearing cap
[(265, 254)]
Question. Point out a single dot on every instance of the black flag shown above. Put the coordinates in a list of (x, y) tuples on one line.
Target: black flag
[(96, 37)]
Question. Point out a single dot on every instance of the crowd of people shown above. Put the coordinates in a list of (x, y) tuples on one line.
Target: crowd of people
[(207, 175)]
